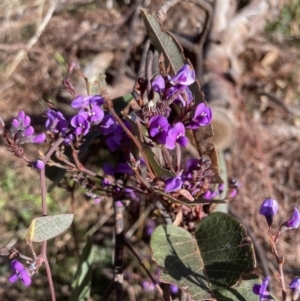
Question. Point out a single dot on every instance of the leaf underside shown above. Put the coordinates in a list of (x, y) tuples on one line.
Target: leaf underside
[(211, 263)]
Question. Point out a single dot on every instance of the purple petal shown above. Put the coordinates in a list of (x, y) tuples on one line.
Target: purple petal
[(96, 100), (173, 184), (17, 266), (13, 278), (269, 208), (21, 115), (79, 102), (28, 132), (293, 222), (158, 85), (124, 168), (15, 123), (40, 138), (26, 121), (256, 288), (107, 125), (295, 283), (108, 169), (39, 164), (183, 141), (26, 279), (185, 76)]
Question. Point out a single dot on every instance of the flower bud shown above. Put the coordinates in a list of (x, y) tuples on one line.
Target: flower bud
[(38, 164), (292, 223), (269, 208), (295, 288)]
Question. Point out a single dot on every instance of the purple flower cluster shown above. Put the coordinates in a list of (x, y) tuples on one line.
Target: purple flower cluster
[(193, 178), (175, 90), (23, 132)]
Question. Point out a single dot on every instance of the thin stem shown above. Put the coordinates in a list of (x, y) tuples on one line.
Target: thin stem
[(119, 244), (168, 158), (135, 253), (280, 262), (128, 132), (49, 276)]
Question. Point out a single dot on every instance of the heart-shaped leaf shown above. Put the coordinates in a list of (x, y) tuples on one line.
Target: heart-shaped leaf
[(46, 227), (209, 264)]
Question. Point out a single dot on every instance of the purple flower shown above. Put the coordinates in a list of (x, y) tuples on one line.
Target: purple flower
[(174, 289), (158, 84), (269, 208), (184, 98), (124, 168), (38, 164), (158, 128), (92, 114), (261, 289), (19, 273), (23, 132), (209, 195), (148, 286), (107, 125), (176, 134), (292, 223), (149, 227), (202, 117), (56, 122), (80, 124), (114, 142), (185, 76), (81, 102), (173, 184), (295, 288)]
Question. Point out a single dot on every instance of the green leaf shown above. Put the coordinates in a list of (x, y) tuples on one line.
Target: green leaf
[(46, 227), (164, 42), (120, 103), (81, 285), (157, 169), (209, 264)]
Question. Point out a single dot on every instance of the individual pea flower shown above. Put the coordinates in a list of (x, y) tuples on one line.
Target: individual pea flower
[(173, 184), (118, 138), (174, 289), (269, 208), (185, 76), (93, 114), (262, 290), (148, 286), (295, 288), (19, 273), (158, 128), (185, 98), (80, 124), (56, 122), (158, 84), (202, 117), (38, 164), (107, 125), (292, 223), (176, 135)]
